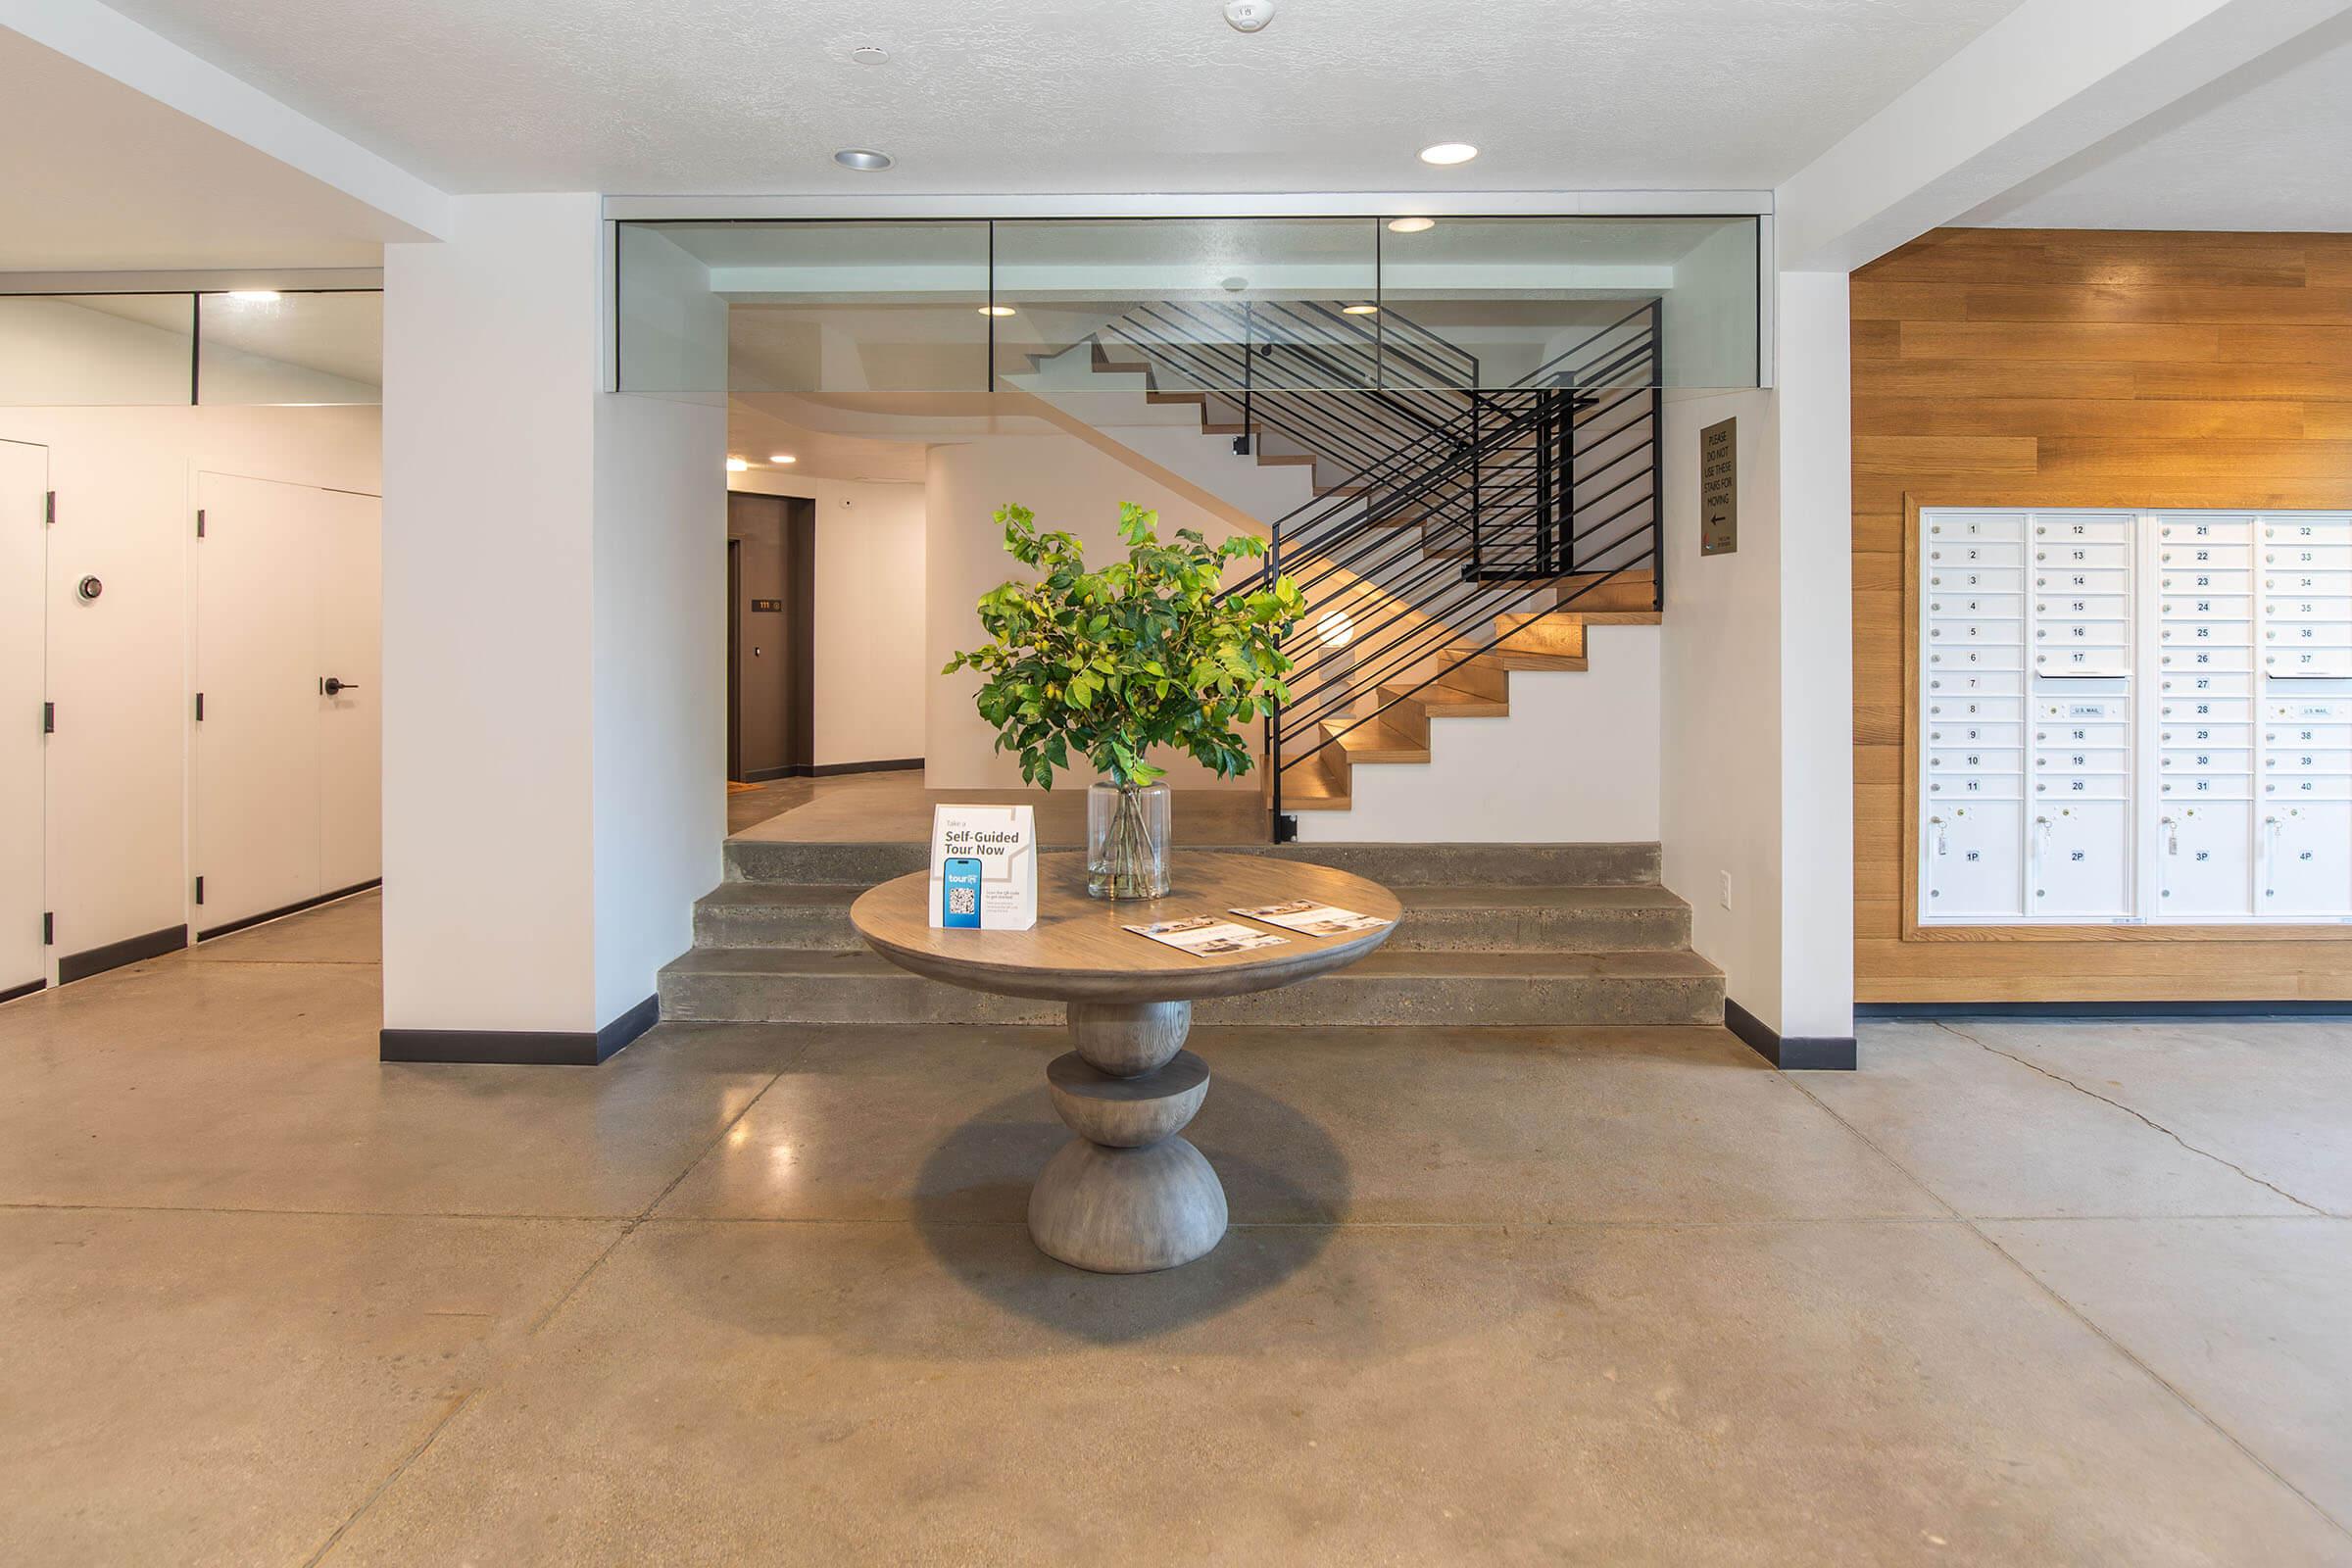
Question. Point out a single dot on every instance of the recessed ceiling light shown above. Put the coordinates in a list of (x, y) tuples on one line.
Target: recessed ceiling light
[(863, 159), (1360, 310), (1411, 225), (737, 465), (868, 54), (996, 309), (254, 296), (782, 457), (1448, 152)]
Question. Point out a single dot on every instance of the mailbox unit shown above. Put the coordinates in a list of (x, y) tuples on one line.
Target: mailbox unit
[(2131, 718)]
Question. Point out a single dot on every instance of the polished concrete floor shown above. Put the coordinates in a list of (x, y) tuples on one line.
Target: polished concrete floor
[(2014, 1293)]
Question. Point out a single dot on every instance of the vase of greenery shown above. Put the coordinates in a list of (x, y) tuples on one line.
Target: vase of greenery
[(1148, 653)]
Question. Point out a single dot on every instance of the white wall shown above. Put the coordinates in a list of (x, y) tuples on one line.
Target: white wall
[(554, 626), (1720, 702), (120, 667), (661, 683), (872, 675), (1576, 762), (1070, 486)]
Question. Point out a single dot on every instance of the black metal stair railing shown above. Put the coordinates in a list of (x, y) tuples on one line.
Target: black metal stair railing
[(1525, 499)]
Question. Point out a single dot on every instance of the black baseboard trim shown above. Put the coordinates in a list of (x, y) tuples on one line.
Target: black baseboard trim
[(2103, 1009), (895, 764), (519, 1048), (114, 955), (1790, 1053), (26, 990), (769, 775), (266, 915)]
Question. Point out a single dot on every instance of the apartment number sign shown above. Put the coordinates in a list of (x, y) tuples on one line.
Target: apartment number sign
[(2134, 718), (1719, 488)]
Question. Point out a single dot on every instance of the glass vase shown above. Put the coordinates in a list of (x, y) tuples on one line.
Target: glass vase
[(1127, 840)]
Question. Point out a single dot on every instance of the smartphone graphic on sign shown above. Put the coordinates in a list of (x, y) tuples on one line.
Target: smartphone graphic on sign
[(959, 896)]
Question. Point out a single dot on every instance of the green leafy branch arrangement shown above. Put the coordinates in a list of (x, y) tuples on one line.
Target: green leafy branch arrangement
[(1138, 655)]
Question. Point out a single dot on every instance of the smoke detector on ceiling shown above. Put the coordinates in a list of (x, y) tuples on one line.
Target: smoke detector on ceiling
[(868, 54), (1249, 16)]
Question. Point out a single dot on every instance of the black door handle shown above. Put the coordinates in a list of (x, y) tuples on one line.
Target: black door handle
[(332, 686)]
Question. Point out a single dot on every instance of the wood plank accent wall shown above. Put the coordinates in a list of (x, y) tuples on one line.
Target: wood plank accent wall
[(2065, 367)]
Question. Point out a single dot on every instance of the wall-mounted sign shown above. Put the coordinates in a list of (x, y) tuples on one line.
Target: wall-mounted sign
[(1719, 488), (774, 605)]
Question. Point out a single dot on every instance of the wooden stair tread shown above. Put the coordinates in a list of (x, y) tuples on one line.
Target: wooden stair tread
[(1309, 788), (1449, 701), (1374, 741), (1509, 657)]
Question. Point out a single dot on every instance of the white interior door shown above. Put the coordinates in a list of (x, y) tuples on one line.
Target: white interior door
[(351, 734), (24, 685), (288, 803)]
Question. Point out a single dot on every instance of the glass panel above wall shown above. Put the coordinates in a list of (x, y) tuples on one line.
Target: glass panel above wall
[(811, 307), (1587, 302), (1209, 304), (1409, 311), (59, 350), (262, 346)]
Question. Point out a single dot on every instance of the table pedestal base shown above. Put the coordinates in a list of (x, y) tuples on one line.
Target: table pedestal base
[(1128, 1195)]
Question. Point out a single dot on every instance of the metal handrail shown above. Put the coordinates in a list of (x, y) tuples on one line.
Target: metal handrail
[(1456, 502)]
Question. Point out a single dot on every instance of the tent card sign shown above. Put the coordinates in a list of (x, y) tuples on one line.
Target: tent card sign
[(983, 867)]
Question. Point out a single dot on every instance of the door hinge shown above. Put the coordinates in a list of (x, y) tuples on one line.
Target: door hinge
[(200, 707), (49, 928), (200, 890), (48, 718), (49, 512), (199, 522)]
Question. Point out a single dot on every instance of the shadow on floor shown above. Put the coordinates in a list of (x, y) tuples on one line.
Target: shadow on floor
[(998, 1262)]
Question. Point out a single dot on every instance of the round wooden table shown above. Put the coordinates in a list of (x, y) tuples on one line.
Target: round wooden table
[(1129, 1194)]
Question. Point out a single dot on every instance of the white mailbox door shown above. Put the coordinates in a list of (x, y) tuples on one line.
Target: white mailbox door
[(2307, 861), (1970, 862)]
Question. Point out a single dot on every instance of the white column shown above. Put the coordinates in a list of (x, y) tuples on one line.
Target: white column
[(1817, 658), (554, 646)]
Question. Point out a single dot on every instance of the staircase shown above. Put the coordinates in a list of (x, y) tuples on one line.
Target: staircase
[(1447, 536), (1531, 935)]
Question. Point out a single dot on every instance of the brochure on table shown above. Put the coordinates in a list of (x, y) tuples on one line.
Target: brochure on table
[(1309, 918), (1208, 937), (983, 867)]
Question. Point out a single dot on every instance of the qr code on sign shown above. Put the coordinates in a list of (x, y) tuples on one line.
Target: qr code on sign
[(963, 901)]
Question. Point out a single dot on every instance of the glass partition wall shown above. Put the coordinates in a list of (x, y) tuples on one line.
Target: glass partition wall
[(250, 346), (1406, 307)]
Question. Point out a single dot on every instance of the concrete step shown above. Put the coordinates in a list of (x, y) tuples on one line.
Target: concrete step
[(1437, 919), (778, 984), (1399, 865)]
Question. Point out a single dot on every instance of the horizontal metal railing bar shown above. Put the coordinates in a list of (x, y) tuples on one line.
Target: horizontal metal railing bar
[(1546, 368)]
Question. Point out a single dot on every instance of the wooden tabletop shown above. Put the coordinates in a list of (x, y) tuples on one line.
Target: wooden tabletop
[(1078, 951)]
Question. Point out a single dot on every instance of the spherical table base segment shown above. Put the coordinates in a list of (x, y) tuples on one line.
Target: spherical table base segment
[(1126, 1038), (1127, 1210)]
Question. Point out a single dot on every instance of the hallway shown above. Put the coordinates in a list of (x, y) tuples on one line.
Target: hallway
[(2019, 1293)]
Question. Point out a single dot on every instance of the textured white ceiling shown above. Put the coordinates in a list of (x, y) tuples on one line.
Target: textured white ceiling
[(95, 175), (743, 96), (2267, 147)]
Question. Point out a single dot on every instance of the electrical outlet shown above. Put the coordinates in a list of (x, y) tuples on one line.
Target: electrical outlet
[(1724, 891)]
